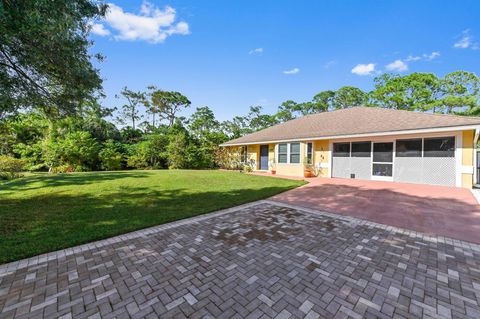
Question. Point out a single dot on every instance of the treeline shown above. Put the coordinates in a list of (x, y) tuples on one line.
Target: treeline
[(152, 133)]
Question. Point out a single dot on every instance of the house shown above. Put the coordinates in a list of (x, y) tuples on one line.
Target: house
[(369, 143)]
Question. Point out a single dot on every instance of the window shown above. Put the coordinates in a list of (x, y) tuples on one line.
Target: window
[(295, 153), (361, 149), (382, 170), (341, 149), (409, 148), (439, 147), (282, 153), (309, 153), (243, 154), (383, 152)]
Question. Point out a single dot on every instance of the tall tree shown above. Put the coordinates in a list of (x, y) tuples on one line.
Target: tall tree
[(44, 57), (416, 91), (348, 96), (258, 121), (130, 111), (203, 121), (287, 111), (168, 103), (323, 101), (460, 92)]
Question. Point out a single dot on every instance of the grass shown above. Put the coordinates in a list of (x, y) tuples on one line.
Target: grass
[(42, 213)]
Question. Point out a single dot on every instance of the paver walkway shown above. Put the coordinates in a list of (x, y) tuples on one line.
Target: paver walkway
[(259, 261), (439, 210)]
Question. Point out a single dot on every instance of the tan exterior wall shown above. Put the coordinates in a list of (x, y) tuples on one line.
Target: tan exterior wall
[(467, 157)]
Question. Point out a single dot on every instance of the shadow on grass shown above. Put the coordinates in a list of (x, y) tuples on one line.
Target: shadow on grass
[(50, 222), (42, 180)]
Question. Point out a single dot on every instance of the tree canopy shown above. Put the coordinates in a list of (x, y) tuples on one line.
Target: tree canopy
[(44, 58)]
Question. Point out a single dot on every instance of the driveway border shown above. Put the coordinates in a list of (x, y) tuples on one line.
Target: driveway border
[(8, 268)]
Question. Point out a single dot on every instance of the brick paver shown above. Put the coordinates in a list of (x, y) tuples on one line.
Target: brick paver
[(263, 260)]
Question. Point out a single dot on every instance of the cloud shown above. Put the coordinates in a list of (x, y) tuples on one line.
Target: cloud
[(99, 29), (397, 65), (152, 24), (292, 71), (431, 56), (465, 40), (329, 64), (257, 51), (364, 69), (425, 57)]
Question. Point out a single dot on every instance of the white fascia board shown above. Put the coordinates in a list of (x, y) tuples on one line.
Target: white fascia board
[(388, 133)]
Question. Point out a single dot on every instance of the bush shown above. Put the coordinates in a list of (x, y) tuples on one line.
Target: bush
[(228, 158), (150, 153), (77, 149), (110, 156), (10, 167)]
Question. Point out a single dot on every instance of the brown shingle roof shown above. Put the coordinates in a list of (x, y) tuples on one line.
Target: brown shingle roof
[(356, 120)]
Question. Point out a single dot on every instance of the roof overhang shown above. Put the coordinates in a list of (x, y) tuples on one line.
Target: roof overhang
[(387, 133)]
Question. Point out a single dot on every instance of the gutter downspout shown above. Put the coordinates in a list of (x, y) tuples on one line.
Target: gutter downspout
[(475, 141)]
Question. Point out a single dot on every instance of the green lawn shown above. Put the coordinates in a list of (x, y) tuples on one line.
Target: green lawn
[(43, 213)]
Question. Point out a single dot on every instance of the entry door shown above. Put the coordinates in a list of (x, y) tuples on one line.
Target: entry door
[(382, 161), (264, 157)]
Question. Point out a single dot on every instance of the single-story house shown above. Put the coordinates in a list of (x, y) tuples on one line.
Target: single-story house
[(369, 143)]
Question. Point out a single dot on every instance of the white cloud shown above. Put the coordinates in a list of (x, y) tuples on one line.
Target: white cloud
[(152, 24), (364, 69), (257, 51), (292, 71), (397, 65), (329, 64), (99, 29), (465, 40), (413, 58), (425, 57), (431, 56)]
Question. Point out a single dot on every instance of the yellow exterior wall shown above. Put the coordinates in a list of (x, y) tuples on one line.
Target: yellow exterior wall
[(271, 155), (253, 152), (467, 156), (322, 151), (292, 169)]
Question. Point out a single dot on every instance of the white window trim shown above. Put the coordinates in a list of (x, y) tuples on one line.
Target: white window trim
[(288, 154), (312, 157)]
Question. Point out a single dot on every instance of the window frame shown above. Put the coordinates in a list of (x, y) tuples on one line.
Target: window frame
[(452, 155), (308, 156), (280, 153), (291, 153), (417, 139), (361, 142), (288, 153), (346, 143)]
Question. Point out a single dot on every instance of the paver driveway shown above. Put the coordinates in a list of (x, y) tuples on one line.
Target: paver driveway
[(261, 260)]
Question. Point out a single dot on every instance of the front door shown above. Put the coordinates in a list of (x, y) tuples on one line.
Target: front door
[(382, 161), (264, 157)]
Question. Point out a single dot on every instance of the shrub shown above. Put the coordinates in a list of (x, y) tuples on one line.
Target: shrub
[(110, 156), (77, 149), (10, 167)]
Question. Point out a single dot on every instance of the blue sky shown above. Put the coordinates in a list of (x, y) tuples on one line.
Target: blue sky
[(229, 55)]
